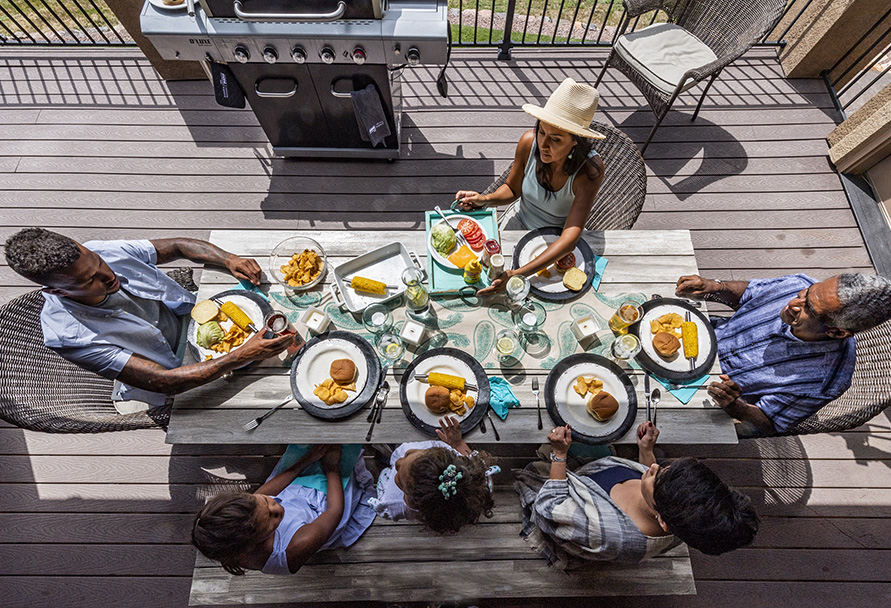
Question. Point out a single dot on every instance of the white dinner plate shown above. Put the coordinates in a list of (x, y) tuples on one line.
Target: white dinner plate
[(534, 248), (415, 389), (572, 406), (314, 366), (453, 221), (169, 7), (246, 304), (677, 362)]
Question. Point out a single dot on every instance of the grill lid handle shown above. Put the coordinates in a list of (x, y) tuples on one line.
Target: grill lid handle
[(332, 16)]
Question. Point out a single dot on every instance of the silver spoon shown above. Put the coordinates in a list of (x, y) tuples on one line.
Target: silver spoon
[(656, 396)]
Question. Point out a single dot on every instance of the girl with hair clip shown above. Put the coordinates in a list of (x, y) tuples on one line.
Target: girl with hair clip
[(441, 483), (292, 516)]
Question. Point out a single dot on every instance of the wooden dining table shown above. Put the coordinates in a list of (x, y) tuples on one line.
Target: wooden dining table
[(644, 263)]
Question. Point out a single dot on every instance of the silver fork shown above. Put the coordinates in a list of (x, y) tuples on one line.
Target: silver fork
[(250, 426), (537, 401), (458, 235)]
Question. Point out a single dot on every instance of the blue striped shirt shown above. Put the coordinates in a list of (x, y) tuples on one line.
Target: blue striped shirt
[(788, 378)]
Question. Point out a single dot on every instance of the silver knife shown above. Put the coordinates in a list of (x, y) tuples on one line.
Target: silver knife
[(380, 385), (647, 394)]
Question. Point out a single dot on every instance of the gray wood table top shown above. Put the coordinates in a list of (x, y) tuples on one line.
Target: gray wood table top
[(647, 262)]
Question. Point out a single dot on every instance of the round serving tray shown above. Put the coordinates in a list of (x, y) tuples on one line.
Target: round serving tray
[(552, 289), (314, 358), (447, 360), (677, 370), (565, 406)]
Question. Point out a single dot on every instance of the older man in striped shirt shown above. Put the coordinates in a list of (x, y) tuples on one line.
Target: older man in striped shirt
[(789, 349)]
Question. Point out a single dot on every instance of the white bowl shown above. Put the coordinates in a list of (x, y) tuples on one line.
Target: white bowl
[(282, 254)]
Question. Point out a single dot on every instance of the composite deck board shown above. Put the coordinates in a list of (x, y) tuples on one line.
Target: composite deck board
[(94, 144)]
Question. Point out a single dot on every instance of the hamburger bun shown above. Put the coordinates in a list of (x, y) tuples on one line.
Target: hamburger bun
[(666, 344), (602, 406), (574, 279), (437, 399), (342, 371)]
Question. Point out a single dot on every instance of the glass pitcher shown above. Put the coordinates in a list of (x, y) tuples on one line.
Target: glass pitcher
[(417, 299)]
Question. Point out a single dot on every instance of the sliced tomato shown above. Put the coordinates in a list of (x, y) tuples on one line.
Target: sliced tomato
[(469, 228)]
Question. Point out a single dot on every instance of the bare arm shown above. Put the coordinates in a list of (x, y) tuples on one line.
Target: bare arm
[(509, 191), (647, 434), (694, 286), (311, 537), (144, 373), (207, 253), (281, 481), (726, 394), (560, 439)]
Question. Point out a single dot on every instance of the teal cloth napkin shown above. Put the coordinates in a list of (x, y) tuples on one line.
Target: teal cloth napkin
[(312, 476), (501, 397), (683, 394), (248, 286), (599, 266)]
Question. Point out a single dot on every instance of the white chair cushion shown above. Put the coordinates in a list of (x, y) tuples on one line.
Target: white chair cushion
[(662, 53)]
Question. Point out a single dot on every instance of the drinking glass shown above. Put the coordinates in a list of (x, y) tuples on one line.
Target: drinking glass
[(377, 319), (417, 299), (507, 344), (390, 346), (625, 347), (628, 312), (518, 288), (529, 317)]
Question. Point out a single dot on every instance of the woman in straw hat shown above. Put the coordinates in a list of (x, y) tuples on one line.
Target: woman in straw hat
[(556, 175)]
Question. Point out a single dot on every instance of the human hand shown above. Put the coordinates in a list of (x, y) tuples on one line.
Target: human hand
[(725, 393), (257, 347), (694, 286), (468, 200), (647, 434), (316, 452), (497, 284), (243, 268), (331, 458), (450, 431), (560, 438)]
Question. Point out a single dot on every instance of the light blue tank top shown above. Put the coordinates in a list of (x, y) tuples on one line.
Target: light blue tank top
[(535, 209)]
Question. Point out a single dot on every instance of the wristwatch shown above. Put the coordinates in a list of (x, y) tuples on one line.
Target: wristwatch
[(555, 458)]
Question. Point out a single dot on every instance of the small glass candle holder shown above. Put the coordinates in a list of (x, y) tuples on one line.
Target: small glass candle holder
[(585, 327), (529, 317), (625, 347), (377, 319), (315, 319), (390, 346), (412, 332)]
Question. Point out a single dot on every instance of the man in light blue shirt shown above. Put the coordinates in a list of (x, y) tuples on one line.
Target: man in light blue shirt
[(789, 348), (110, 310)]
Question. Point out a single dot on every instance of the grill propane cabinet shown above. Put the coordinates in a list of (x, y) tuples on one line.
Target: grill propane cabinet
[(305, 66)]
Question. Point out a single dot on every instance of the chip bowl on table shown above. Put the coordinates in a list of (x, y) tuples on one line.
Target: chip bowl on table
[(303, 260)]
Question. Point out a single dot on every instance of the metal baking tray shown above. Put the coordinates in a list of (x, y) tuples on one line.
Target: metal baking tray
[(385, 265)]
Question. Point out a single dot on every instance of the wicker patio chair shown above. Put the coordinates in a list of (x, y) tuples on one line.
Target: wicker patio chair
[(624, 187), (869, 393), (41, 391), (700, 38)]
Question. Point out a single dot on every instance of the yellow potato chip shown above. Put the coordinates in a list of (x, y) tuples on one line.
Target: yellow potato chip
[(339, 396), (468, 401), (348, 387), (302, 268)]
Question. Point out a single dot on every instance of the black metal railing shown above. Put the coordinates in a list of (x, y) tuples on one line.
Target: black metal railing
[(536, 23), (863, 70), (59, 22)]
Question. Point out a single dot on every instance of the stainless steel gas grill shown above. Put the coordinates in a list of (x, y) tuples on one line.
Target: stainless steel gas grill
[(300, 61)]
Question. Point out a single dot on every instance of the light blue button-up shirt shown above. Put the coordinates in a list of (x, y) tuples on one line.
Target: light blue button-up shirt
[(103, 340)]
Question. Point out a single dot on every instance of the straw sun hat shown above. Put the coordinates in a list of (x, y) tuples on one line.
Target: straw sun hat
[(571, 108)]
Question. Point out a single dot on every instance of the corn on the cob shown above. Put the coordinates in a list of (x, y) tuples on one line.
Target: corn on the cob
[(368, 285), (447, 380), (237, 315), (690, 339)]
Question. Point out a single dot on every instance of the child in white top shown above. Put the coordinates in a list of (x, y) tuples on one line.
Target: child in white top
[(442, 483)]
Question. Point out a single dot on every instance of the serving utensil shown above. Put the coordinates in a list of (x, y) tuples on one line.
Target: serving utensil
[(657, 397), (458, 235), (250, 426), (467, 385), (537, 402)]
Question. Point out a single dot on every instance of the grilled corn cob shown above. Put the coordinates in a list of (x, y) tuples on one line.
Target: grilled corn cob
[(690, 339), (237, 315), (368, 285), (447, 380)]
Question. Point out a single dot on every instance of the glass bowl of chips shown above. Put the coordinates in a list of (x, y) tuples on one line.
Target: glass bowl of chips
[(298, 263)]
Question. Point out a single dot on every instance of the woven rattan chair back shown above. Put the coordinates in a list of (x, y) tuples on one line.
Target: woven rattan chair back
[(41, 391), (624, 187), (870, 390), (728, 27)]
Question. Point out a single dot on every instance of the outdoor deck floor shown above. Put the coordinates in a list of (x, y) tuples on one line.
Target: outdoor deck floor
[(95, 145)]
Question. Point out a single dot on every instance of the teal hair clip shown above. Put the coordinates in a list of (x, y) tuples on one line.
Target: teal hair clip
[(449, 481)]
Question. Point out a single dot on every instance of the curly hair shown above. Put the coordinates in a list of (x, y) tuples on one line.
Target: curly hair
[(471, 500), (36, 254), (226, 528), (578, 156), (702, 510)]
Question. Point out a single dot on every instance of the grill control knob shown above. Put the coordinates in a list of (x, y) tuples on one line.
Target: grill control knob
[(327, 55), (359, 55), (298, 54), (413, 56), (242, 54), (269, 54)]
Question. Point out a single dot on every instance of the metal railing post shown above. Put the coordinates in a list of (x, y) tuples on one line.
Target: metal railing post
[(506, 42)]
